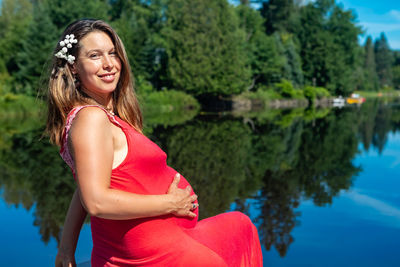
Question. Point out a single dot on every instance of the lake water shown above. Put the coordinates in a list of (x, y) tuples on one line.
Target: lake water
[(322, 186)]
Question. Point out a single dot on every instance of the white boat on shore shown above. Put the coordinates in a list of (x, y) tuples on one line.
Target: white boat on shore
[(338, 102)]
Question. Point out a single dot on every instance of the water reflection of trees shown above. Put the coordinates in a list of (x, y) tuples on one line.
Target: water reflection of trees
[(215, 155), (319, 168), (308, 158), (226, 160), (34, 174)]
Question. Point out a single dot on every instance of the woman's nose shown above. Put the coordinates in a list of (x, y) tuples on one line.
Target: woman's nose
[(107, 62)]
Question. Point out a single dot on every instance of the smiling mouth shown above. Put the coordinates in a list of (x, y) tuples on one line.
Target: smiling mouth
[(109, 77)]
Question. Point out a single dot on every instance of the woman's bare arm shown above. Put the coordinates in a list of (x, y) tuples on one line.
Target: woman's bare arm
[(72, 226), (73, 223), (91, 143)]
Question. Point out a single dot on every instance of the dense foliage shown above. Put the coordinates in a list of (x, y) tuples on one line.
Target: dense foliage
[(206, 47)]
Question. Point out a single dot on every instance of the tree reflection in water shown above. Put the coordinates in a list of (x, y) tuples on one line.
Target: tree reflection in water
[(320, 167), (214, 156), (34, 174), (277, 160)]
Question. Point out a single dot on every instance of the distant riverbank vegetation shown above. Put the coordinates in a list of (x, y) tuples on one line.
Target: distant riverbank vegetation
[(14, 107), (182, 50)]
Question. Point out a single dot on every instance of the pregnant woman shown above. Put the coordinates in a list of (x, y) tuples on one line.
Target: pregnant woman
[(142, 212)]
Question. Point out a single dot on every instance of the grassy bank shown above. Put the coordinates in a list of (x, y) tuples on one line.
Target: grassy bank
[(19, 107), (282, 94), (382, 93), (164, 107), (168, 107), (18, 114)]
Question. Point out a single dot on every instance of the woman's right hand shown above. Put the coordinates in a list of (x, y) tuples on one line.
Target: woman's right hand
[(182, 201), (65, 260)]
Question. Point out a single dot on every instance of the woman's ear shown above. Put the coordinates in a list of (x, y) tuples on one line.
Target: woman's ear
[(73, 68)]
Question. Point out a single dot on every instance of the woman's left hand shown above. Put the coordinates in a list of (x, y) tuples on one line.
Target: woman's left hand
[(183, 201)]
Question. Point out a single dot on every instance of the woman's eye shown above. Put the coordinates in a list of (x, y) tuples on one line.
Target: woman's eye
[(94, 55), (113, 53)]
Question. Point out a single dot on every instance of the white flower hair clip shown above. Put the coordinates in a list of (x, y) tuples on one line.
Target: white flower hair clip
[(67, 43)]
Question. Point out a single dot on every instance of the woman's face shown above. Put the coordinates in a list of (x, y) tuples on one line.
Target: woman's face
[(98, 66)]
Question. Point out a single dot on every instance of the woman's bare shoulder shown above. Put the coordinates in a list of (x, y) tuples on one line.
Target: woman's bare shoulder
[(89, 120)]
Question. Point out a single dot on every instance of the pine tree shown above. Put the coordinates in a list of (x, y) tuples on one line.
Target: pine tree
[(371, 78), (262, 52), (280, 15), (396, 77), (358, 76), (341, 26), (15, 17), (63, 12), (316, 45), (396, 70), (329, 45), (205, 47), (383, 60), (139, 25), (36, 52), (119, 7), (292, 69)]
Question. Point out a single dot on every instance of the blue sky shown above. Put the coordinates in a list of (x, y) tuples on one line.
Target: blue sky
[(376, 16)]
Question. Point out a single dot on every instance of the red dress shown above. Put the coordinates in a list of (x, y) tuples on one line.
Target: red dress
[(228, 239)]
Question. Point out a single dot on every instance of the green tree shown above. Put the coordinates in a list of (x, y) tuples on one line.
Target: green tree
[(371, 78), (384, 60), (118, 7), (292, 69), (328, 41), (280, 15), (62, 12), (396, 77), (15, 17), (139, 25), (262, 52), (316, 45), (282, 19), (342, 26), (36, 52), (205, 48)]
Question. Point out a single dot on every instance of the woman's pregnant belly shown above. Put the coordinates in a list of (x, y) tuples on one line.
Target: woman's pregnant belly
[(145, 237), (152, 183)]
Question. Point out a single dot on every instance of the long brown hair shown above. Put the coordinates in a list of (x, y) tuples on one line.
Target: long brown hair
[(64, 93)]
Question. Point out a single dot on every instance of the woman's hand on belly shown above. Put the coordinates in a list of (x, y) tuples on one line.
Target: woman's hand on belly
[(181, 199)]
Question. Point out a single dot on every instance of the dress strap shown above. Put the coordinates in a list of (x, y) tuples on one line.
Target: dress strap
[(64, 152)]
